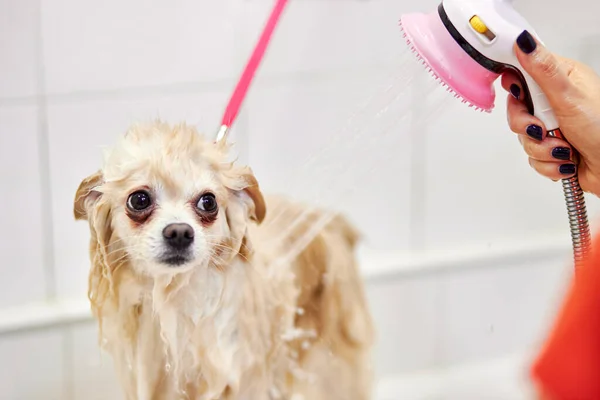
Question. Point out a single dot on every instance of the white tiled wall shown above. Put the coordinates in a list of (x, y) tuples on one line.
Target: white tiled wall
[(109, 45), (21, 244), (419, 173), (480, 186), (19, 46), (328, 35)]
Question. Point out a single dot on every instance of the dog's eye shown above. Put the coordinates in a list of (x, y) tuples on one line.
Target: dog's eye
[(207, 203), (139, 201)]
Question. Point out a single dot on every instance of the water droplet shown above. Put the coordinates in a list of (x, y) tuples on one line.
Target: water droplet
[(300, 311), (167, 367), (275, 393)]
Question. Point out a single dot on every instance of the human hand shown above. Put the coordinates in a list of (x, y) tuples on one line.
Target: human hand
[(573, 90)]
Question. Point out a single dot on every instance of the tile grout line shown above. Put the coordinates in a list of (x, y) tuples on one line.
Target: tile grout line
[(192, 87), (46, 203), (44, 164)]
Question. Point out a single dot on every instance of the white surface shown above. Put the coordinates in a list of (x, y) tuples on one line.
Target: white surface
[(326, 35), (502, 378), (480, 185), (485, 314), (33, 367), (350, 171), (18, 48), (21, 204), (92, 373), (91, 45)]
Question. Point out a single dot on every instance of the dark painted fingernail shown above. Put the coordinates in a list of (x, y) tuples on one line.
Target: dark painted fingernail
[(515, 90), (535, 132), (567, 169), (526, 42), (561, 153)]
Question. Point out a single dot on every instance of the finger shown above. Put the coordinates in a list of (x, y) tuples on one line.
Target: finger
[(521, 122), (549, 150), (545, 68), (512, 84), (552, 170)]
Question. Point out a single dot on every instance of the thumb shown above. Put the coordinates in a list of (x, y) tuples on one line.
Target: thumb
[(543, 66)]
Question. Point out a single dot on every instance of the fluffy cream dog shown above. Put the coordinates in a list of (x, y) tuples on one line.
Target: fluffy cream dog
[(199, 295)]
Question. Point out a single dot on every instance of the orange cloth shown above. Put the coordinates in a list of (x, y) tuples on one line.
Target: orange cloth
[(568, 367)]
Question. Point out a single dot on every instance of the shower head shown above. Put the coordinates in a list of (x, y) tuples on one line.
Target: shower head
[(468, 44)]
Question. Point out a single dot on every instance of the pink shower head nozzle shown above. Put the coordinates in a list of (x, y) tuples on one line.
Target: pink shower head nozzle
[(448, 62)]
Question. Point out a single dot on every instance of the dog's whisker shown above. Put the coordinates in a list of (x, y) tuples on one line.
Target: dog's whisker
[(124, 249)]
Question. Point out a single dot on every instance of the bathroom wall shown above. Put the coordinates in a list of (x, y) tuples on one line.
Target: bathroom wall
[(466, 249)]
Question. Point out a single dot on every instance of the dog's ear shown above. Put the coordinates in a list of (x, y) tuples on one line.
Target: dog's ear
[(258, 210), (89, 205), (241, 181), (87, 195), (236, 216), (247, 202)]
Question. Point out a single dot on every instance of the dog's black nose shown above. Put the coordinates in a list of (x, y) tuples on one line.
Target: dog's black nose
[(178, 236)]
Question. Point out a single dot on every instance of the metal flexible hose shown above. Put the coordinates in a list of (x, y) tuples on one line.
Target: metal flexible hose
[(578, 219), (581, 237)]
